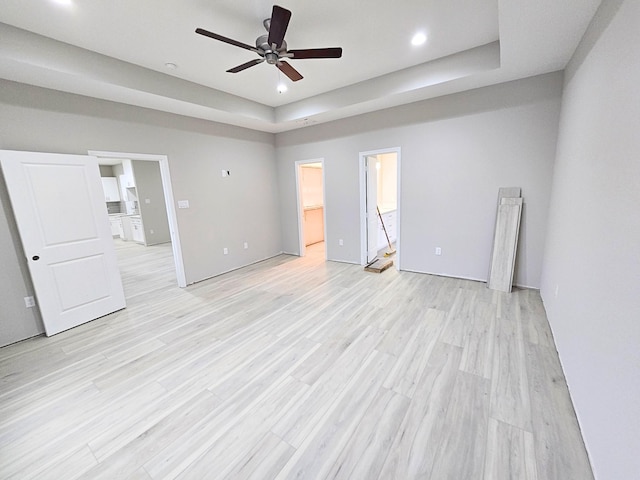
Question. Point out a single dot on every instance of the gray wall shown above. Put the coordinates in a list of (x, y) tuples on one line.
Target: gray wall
[(106, 171), (154, 213), (456, 152), (16, 321), (223, 213), (592, 255)]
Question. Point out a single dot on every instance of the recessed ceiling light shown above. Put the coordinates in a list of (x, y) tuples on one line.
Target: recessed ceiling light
[(171, 66), (282, 87), (63, 2), (418, 39)]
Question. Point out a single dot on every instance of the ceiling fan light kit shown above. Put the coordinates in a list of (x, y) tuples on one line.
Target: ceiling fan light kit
[(418, 39), (272, 47)]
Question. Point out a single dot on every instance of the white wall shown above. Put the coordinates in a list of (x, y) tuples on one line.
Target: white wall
[(456, 152), (387, 195), (224, 212), (592, 254), (311, 184)]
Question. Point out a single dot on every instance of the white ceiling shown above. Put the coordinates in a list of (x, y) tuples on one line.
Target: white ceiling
[(117, 50)]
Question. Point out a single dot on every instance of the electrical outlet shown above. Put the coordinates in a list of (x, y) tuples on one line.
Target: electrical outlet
[(29, 302), (438, 251), (246, 245), (225, 250), (340, 242)]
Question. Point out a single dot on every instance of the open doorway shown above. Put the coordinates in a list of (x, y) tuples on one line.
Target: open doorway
[(145, 195), (310, 201), (380, 205)]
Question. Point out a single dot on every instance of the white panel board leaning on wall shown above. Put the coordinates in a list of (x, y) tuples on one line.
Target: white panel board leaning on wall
[(505, 239)]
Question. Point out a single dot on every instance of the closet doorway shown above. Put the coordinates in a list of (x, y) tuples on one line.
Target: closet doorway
[(310, 200), (380, 205)]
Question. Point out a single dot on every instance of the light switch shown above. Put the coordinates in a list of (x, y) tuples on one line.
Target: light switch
[(183, 203), (226, 173)]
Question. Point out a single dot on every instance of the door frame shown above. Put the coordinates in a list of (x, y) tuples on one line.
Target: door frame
[(301, 246), (371, 216), (363, 201), (165, 175)]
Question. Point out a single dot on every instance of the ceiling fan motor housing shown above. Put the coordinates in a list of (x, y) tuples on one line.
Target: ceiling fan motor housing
[(271, 55)]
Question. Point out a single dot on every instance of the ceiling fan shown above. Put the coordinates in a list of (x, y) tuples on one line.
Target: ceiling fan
[(272, 48)]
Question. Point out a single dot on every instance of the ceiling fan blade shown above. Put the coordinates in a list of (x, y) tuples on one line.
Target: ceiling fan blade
[(278, 26), (230, 41), (315, 53), (244, 66), (289, 71)]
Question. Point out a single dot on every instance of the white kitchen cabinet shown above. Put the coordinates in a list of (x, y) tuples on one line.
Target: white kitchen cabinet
[(129, 193), (137, 232), (126, 233), (389, 219), (123, 187), (111, 191), (120, 228), (128, 185), (127, 179), (313, 225), (129, 196), (116, 225)]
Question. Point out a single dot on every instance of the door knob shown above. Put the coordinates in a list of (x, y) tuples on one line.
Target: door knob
[(35, 258)]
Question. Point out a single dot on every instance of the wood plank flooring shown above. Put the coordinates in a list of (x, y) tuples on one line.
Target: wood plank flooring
[(293, 368)]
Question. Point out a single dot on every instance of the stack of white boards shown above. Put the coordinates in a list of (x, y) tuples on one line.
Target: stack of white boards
[(505, 239)]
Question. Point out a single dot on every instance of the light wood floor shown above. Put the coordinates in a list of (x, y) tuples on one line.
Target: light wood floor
[(293, 368)]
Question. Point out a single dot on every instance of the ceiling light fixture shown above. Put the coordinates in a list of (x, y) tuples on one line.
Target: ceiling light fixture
[(66, 3), (171, 66), (282, 87), (418, 39)]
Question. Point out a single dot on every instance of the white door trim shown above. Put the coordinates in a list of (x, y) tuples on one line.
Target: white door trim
[(363, 202), (371, 200), (301, 246), (163, 160)]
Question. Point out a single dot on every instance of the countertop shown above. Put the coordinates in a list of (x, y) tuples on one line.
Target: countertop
[(384, 210)]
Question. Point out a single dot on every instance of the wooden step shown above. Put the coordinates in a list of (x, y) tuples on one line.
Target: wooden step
[(379, 265)]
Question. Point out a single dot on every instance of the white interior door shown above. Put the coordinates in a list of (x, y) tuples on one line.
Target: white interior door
[(59, 207), (372, 205)]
